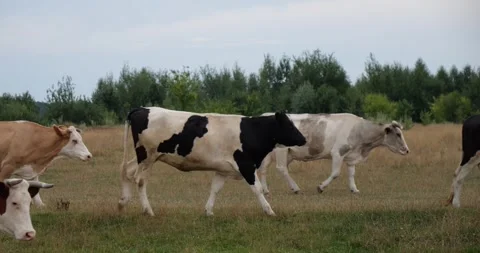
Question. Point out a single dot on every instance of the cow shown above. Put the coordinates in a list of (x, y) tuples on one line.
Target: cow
[(15, 198), (340, 137), (470, 157), (28, 148), (233, 146)]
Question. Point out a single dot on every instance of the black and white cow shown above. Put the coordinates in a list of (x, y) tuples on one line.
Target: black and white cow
[(231, 145), (470, 157)]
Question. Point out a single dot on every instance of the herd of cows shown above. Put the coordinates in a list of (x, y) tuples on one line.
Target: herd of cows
[(233, 146)]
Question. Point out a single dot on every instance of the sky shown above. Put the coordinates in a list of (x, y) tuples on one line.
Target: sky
[(42, 41)]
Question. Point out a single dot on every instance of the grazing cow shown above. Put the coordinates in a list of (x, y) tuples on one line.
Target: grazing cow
[(470, 157), (231, 145), (341, 137), (15, 198), (27, 148)]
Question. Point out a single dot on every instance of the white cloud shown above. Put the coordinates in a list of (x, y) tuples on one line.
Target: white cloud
[(257, 25)]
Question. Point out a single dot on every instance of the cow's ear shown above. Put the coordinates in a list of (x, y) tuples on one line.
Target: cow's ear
[(388, 129), (60, 132), (4, 191), (33, 191)]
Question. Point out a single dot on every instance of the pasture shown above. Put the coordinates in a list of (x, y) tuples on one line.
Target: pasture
[(400, 207)]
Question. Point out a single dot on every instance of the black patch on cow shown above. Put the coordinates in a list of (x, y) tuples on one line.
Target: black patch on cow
[(141, 154), (257, 138), (33, 191), (138, 119), (470, 138), (4, 192), (195, 127)]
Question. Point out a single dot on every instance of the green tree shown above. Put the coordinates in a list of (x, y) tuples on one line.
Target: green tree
[(303, 100)]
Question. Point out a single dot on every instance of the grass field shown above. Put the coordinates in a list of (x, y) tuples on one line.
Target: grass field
[(399, 207)]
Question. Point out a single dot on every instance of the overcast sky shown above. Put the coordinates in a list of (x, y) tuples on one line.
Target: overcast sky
[(41, 41)]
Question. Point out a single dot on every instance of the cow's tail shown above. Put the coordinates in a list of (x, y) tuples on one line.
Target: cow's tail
[(124, 166)]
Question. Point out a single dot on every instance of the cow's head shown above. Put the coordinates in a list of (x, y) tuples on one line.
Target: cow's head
[(287, 134), (15, 198), (75, 148), (394, 138)]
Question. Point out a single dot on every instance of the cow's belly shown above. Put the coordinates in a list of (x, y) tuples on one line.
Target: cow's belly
[(354, 158), (185, 164), (26, 172), (308, 154)]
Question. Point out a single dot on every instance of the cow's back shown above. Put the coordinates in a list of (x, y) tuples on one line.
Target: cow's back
[(16, 135)]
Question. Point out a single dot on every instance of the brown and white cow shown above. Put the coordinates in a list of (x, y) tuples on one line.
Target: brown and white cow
[(27, 149), (15, 198), (231, 145), (341, 137)]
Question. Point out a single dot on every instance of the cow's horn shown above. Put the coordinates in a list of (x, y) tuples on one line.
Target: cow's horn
[(13, 182), (39, 184)]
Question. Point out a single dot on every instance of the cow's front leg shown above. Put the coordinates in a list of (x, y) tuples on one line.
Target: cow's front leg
[(217, 184), (257, 189), (336, 166), (351, 178), (37, 201)]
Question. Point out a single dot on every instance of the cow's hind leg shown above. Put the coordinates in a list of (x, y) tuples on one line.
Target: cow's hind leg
[(37, 201), (460, 175), (217, 183), (336, 166), (127, 181)]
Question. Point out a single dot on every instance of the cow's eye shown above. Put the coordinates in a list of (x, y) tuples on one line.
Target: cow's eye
[(398, 135), (14, 203), (75, 142)]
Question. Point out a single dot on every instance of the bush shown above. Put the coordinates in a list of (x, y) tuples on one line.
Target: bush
[(375, 105), (451, 107)]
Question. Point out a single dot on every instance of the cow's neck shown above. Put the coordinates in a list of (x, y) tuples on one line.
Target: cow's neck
[(50, 147), (261, 140), (374, 138)]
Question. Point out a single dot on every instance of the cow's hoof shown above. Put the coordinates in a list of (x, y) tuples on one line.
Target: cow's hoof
[(120, 207), (296, 192), (271, 213), (148, 212), (319, 189), (208, 213), (355, 191)]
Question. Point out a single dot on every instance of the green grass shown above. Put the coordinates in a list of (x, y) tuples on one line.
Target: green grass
[(439, 230), (399, 207)]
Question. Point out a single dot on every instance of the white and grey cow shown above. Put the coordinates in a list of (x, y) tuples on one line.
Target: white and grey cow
[(231, 145), (341, 137), (15, 198)]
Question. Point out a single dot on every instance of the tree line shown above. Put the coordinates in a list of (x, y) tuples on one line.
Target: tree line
[(313, 82)]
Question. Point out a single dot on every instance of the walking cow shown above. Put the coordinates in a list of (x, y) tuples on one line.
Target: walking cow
[(231, 145), (341, 137), (470, 157)]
